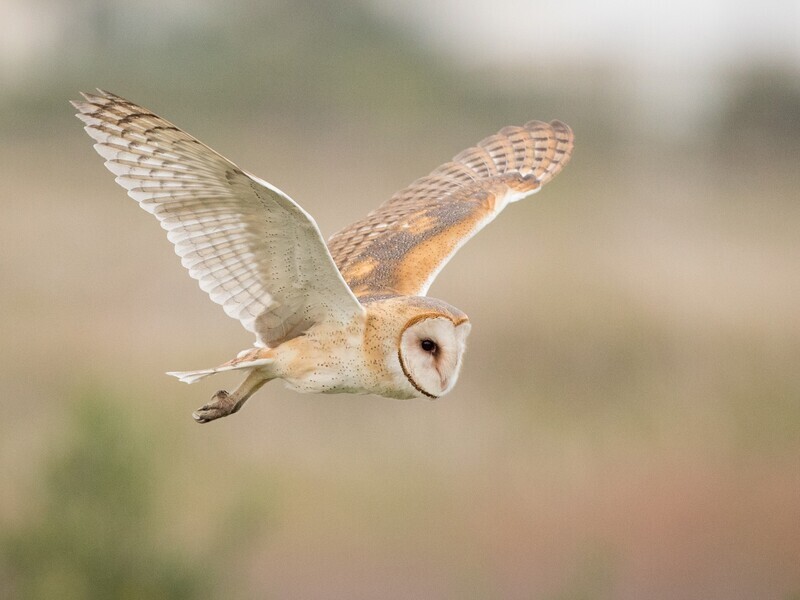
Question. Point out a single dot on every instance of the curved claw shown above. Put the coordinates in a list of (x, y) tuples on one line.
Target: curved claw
[(221, 405)]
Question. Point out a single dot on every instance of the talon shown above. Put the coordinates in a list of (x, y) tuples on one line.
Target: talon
[(222, 405)]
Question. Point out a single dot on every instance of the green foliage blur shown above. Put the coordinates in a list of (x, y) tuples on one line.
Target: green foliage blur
[(93, 532), (97, 526)]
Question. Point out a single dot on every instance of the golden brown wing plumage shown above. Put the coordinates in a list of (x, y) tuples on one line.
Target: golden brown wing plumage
[(399, 248)]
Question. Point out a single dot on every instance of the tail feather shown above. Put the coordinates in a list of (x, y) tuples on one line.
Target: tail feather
[(192, 376), (195, 376)]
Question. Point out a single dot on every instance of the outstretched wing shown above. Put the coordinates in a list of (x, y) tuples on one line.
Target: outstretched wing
[(401, 247), (251, 248)]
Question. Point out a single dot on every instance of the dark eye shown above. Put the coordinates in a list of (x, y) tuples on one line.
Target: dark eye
[(429, 346)]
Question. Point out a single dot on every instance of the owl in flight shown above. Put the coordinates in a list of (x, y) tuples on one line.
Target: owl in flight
[(350, 316)]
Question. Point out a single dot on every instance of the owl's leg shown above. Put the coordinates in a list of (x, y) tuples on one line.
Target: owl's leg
[(224, 404)]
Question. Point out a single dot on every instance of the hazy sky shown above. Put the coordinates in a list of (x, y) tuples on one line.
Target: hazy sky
[(662, 34), (681, 33), (674, 54)]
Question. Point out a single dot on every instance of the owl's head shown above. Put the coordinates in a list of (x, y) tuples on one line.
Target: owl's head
[(431, 348), (416, 343)]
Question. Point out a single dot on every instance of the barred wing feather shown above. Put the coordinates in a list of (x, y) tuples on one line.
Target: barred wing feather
[(399, 248), (250, 247)]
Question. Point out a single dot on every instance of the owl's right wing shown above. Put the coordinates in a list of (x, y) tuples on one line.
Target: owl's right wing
[(251, 248), (399, 248)]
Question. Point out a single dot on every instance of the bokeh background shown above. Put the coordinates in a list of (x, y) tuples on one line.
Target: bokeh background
[(627, 423)]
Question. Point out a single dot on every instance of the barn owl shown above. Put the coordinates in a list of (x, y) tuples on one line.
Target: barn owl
[(350, 316)]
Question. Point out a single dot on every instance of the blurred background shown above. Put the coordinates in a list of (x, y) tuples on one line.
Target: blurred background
[(627, 422)]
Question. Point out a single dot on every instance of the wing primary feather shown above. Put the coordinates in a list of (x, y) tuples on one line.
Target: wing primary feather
[(242, 239), (412, 236)]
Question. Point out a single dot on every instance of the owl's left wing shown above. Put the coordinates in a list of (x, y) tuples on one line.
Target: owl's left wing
[(250, 247), (399, 248)]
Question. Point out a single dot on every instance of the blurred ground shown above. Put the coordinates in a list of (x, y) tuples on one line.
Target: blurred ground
[(627, 423)]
